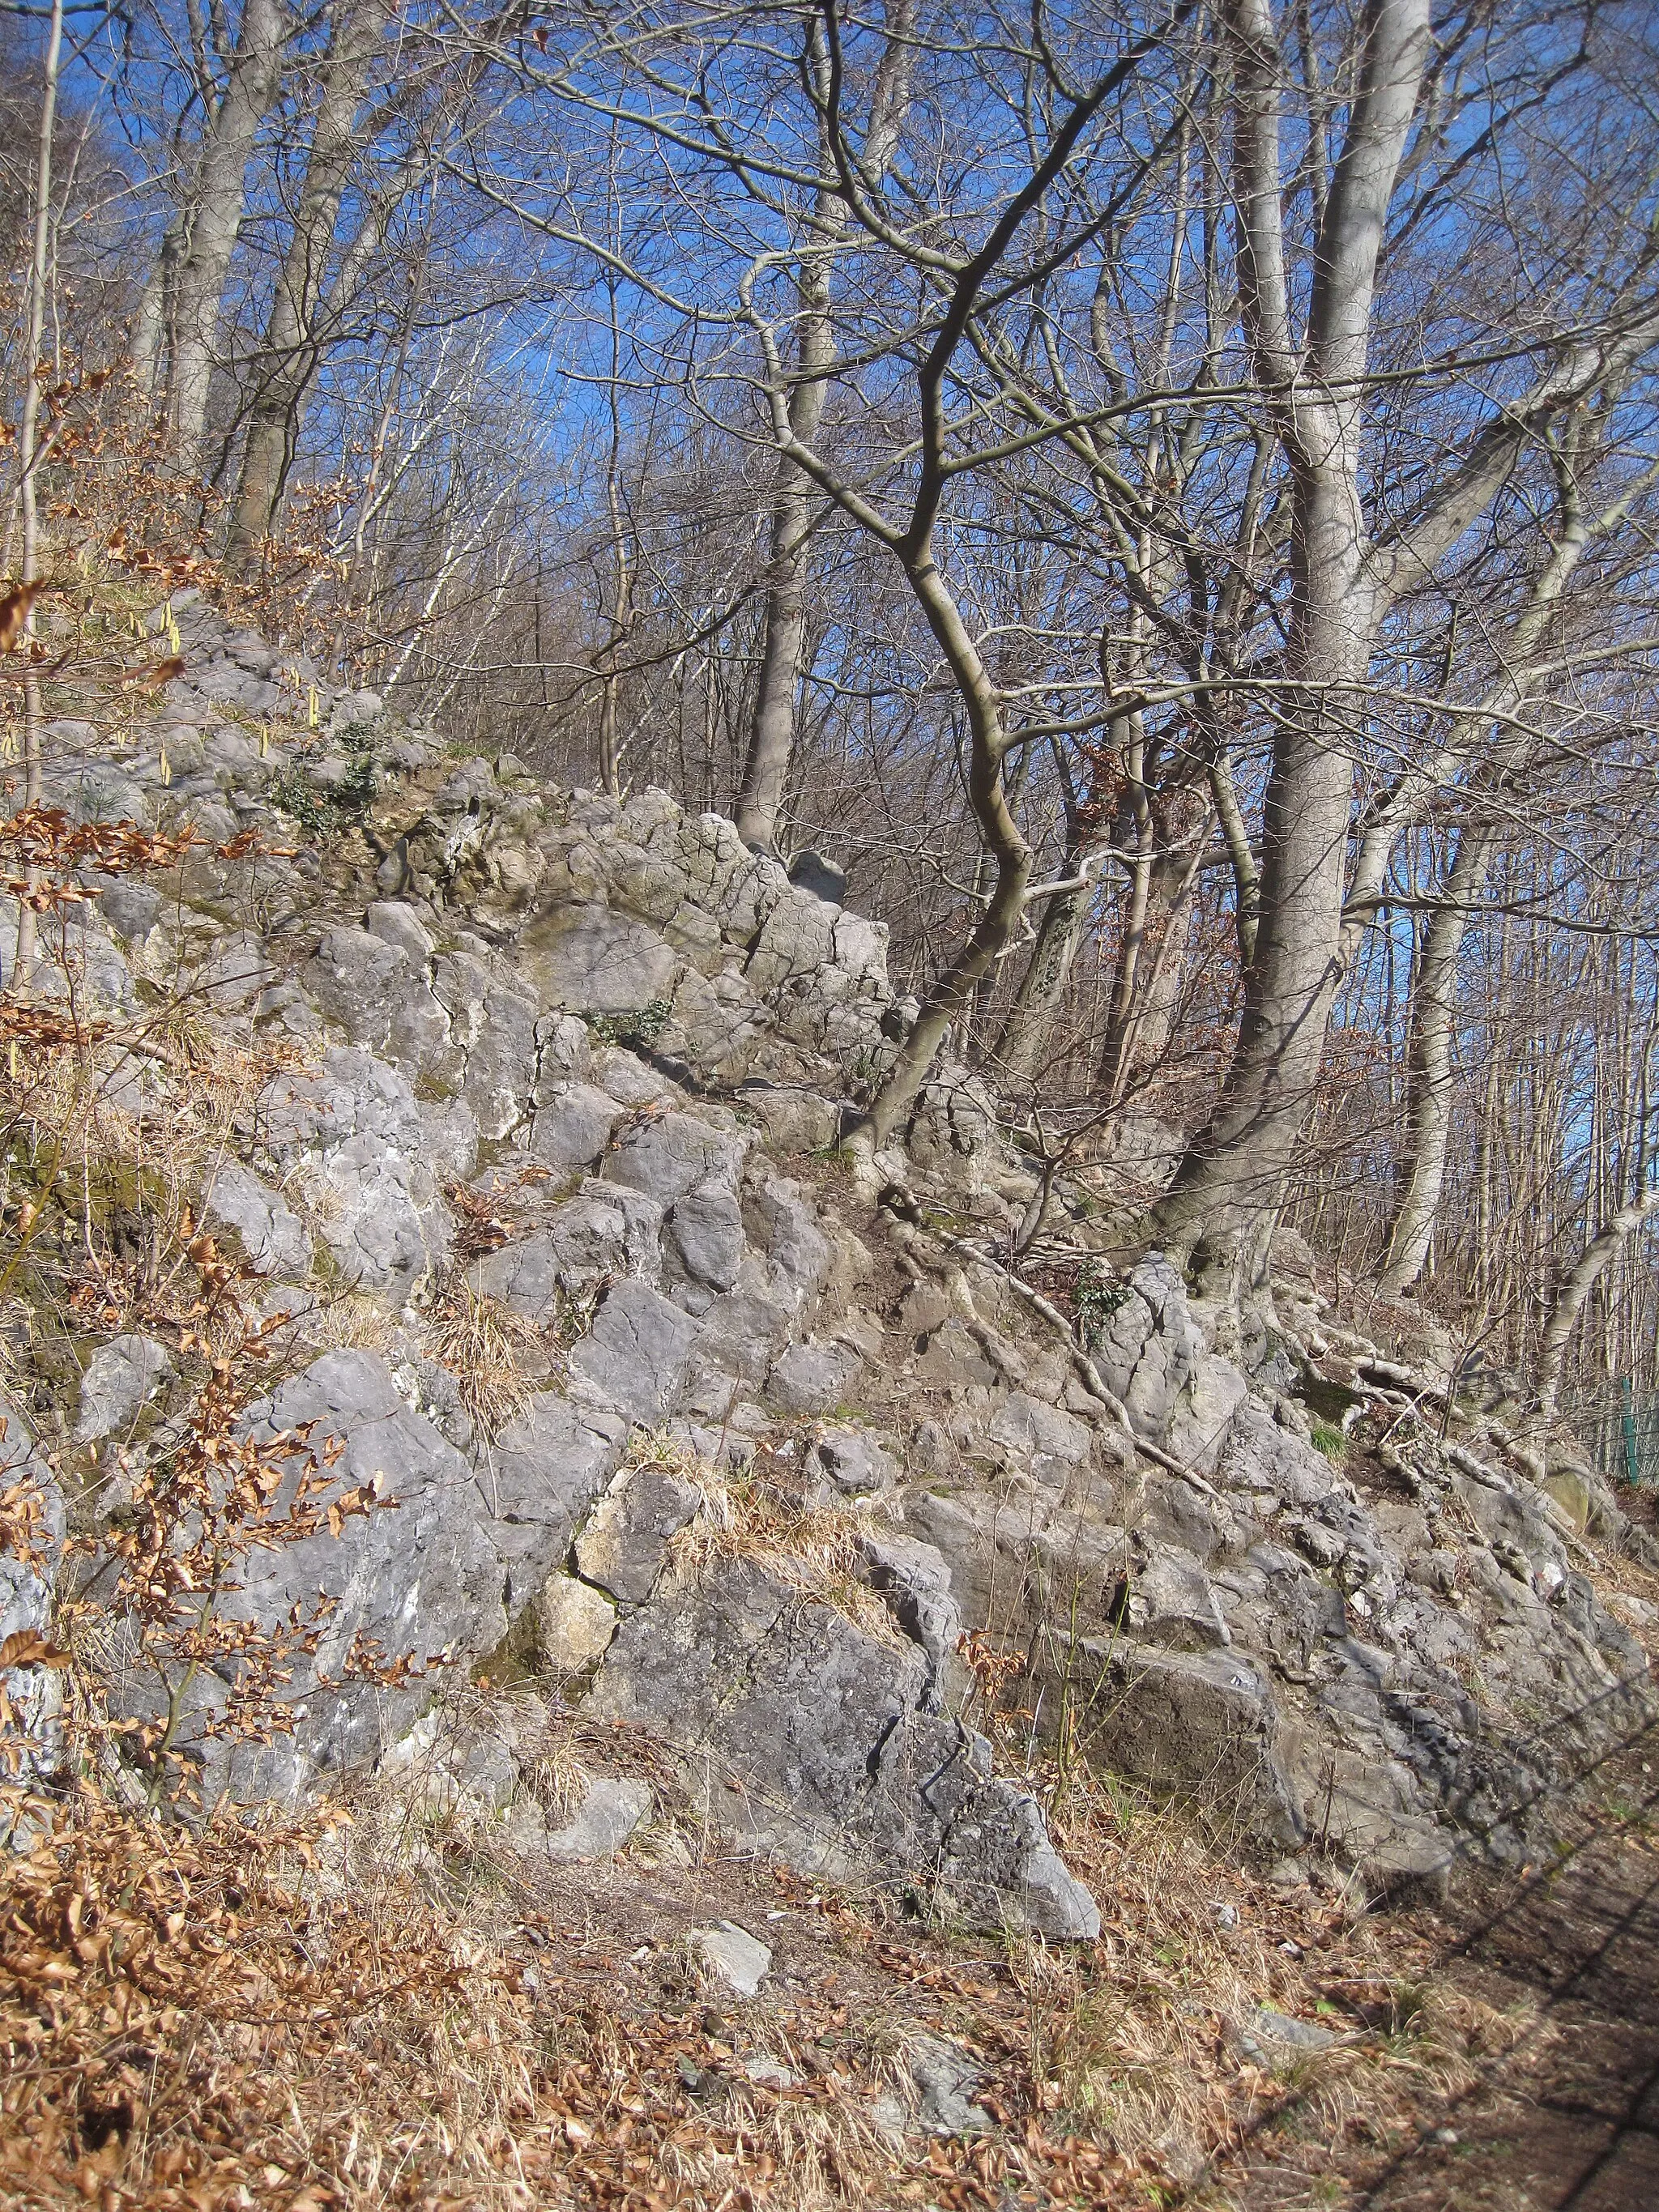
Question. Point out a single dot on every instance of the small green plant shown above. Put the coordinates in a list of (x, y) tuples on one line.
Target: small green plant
[(1331, 1441), (1098, 1295), (323, 811), (641, 1030)]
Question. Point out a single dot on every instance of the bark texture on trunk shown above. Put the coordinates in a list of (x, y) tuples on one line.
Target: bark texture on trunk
[(952, 991), (29, 455), (1147, 984), (1432, 1074), (1234, 1170), (772, 734), (759, 802), (1568, 1302), (289, 353), (209, 222), (1022, 1048)]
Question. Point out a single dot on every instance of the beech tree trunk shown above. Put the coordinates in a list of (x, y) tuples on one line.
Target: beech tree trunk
[(772, 736), (1148, 979), (1432, 1076), (794, 502), (1568, 1302), (1022, 1050), (29, 455), (1234, 1169), (181, 311), (288, 359), (951, 990)]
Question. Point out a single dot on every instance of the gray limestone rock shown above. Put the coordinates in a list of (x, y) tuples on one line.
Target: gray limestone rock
[(602, 1233), (29, 1570), (739, 1959), (673, 1154), (572, 1126), (1171, 1602), (593, 961), (416, 1576), (121, 1379), (945, 2079), (636, 1353), (812, 1377), (536, 1481), (1149, 1348), (1047, 1444), (704, 1245), (823, 879), (610, 1809), (831, 1758), (272, 1235), (624, 1546), (575, 1623), (1199, 1723), (848, 1463), (1274, 2040)]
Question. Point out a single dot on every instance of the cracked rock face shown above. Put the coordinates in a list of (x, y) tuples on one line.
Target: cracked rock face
[(542, 1051)]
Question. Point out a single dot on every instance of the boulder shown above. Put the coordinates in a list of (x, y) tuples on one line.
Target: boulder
[(1200, 1724), (812, 1377), (634, 1356), (830, 1757), (593, 961), (735, 1957), (624, 1546), (121, 1379), (610, 1810), (416, 1577), (272, 1235), (573, 1622)]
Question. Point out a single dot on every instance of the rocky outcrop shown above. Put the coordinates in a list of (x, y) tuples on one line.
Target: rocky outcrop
[(549, 1066)]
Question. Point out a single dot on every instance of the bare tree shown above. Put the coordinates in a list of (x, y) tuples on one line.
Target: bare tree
[(176, 329), (288, 356)]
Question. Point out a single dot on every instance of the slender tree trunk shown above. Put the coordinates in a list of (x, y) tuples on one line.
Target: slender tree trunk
[(214, 218), (288, 359), (1434, 1009), (1230, 1179), (1235, 1168), (29, 456), (1022, 1050), (1148, 981), (794, 503), (1569, 1300), (772, 738), (987, 794)]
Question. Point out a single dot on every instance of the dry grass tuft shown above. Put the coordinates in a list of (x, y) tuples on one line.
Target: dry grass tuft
[(487, 1347), (815, 1551)]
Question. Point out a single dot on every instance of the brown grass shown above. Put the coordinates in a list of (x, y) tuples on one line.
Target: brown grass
[(815, 1551), (486, 1347)]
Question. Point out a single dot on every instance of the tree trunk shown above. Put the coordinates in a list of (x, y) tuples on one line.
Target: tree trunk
[(213, 218), (28, 457), (772, 733), (772, 737), (1434, 1007), (1233, 1173), (1022, 1050), (288, 358), (1148, 981), (987, 794), (1236, 1168), (1568, 1302)]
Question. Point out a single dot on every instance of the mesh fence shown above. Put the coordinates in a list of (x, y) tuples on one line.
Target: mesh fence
[(1619, 1426)]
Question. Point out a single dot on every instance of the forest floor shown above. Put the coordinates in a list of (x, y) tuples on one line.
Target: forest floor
[(1567, 2119)]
